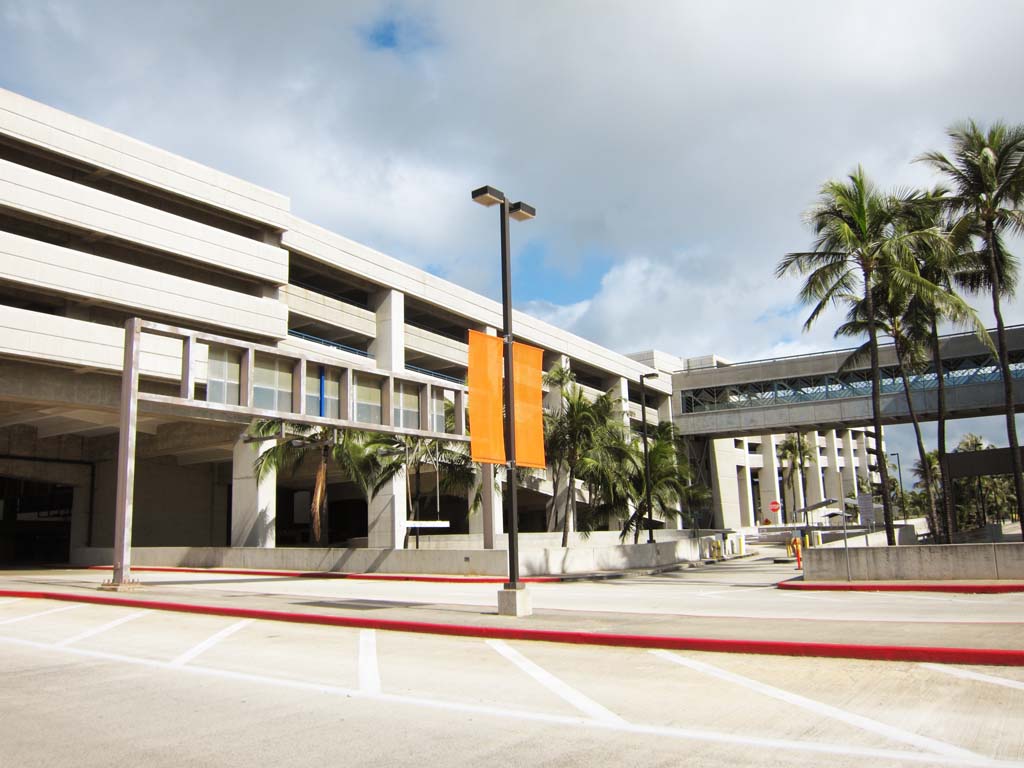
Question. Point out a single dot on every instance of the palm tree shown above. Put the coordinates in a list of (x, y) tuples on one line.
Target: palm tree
[(986, 172), (939, 266), (795, 451), (413, 454), (907, 316), (558, 377), (668, 480), (572, 434), (859, 240), (351, 450)]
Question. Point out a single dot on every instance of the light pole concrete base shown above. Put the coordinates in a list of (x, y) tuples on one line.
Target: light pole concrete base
[(514, 602), (132, 585)]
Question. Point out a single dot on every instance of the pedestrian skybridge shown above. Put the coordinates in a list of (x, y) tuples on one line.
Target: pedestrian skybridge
[(816, 391)]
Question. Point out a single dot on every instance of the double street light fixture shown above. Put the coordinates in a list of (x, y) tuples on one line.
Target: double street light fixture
[(647, 457), (489, 196)]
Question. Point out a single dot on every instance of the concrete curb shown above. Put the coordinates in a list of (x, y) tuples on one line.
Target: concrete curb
[(973, 656), (335, 575), (847, 586)]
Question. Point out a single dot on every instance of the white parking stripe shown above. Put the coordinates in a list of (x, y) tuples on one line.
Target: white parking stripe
[(103, 628), (979, 676), (814, 747), (369, 674), (208, 643), (26, 617), (553, 684), (10, 600), (820, 708)]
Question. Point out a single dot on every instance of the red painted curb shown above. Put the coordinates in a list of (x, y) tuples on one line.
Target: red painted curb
[(845, 586), (336, 575), (986, 656)]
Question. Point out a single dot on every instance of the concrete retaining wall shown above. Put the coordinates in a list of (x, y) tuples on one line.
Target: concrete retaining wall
[(461, 562), (925, 563), (481, 562)]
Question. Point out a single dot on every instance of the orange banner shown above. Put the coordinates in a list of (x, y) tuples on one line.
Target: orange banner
[(486, 427), (527, 363)]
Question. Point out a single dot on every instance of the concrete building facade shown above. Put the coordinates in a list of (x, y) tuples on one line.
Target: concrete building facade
[(247, 311)]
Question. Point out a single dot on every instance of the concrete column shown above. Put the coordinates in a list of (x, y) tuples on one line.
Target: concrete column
[(724, 485), (769, 479), (488, 519), (253, 502), (745, 490), (665, 408), (833, 476), (388, 348), (863, 458), (815, 488), (126, 456), (80, 515), (620, 390), (849, 469), (386, 514)]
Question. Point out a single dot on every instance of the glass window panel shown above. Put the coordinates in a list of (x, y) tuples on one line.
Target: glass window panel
[(265, 370), (368, 414), (367, 390), (263, 398), (222, 375), (312, 403), (215, 391)]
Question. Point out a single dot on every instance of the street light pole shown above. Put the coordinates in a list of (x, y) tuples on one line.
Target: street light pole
[(647, 457), (903, 494), (488, 196)]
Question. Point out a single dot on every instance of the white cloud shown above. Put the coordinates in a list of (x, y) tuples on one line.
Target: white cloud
[(680, 141)]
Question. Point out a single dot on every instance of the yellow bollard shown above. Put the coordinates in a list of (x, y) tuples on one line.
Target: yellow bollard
[(789, 547), (807, 542)]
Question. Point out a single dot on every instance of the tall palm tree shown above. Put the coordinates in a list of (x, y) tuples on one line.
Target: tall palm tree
[(559, 377), (858, 240), (906, 314), (572, 434), (795, 452), (986, 173), (668, 480), (940, 266)]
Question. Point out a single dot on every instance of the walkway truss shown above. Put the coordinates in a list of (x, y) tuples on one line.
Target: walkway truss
[(957, 372)]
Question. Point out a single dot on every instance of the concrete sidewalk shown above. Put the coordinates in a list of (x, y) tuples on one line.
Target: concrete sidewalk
[(270, 598)]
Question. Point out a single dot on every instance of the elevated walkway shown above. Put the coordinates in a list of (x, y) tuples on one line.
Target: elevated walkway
[(813, 392)]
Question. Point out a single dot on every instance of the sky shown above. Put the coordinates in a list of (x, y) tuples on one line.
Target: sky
[(670, 148)]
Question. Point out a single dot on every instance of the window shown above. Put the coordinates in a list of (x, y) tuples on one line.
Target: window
[(407, 405), (367, 399), (223, 372), (437, 410), (272, 383), (331, 402)]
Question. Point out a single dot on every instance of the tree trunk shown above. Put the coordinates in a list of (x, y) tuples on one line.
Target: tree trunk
[(319, 498), (569, 499), (921, 452), (948, 512), (876, 410), (1004, 366)]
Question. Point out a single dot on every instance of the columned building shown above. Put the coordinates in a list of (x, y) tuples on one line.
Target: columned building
[(247, 311)]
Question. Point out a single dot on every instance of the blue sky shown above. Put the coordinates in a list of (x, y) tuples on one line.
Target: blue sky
[(670, 149)]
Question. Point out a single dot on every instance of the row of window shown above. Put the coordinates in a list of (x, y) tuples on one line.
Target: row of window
[(272, 390)]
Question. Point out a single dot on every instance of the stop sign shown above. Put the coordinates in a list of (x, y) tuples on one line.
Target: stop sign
[(774, 506)]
